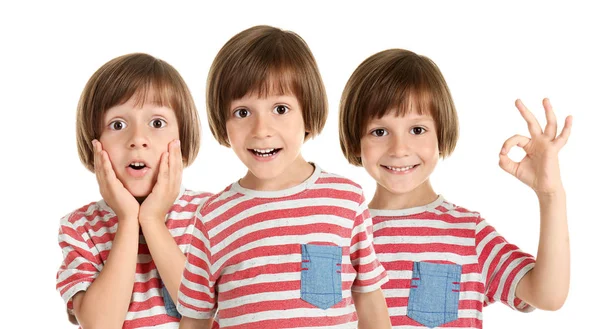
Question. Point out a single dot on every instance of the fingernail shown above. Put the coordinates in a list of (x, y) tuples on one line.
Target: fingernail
[(178, 143)]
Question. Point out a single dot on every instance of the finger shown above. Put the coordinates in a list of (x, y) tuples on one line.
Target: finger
[(163, 169), (562, 139), (550, 130), (532, 124), (518, 140), (107, 168), (97, 147), (508, 165), (175, 161)]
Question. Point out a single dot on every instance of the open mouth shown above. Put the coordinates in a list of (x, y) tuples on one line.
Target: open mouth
[(265, 153), (137, 165), (399, 169)]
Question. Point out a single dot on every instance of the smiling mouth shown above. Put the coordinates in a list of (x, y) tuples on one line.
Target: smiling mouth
[(265, 153), (399, 169)]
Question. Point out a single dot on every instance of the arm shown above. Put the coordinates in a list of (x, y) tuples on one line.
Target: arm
[(371, 310), (546, 286), (189, 323), (106, 302), (167, 256)]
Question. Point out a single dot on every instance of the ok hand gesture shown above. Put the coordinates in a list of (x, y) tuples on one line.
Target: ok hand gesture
[(539, 168)]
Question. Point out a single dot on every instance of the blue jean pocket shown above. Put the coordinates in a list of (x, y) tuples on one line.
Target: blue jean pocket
[(321, 277), (434, 292), (169, 304)]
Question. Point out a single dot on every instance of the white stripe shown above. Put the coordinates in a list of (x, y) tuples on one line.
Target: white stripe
[(420, 223), (406, 275), (312, 312), (445, 239), (423, 256), (337, 186)]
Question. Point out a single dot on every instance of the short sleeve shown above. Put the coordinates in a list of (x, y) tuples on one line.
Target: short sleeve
[(80, 266), (197, 298), (503, 265), (370, 273)]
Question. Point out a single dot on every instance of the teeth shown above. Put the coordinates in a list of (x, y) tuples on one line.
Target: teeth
[(263, 151), (399, 168), (137, 164)]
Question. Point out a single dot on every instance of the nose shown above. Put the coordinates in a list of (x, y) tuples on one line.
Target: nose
[(262, 126), (399, 147), (138, 138)]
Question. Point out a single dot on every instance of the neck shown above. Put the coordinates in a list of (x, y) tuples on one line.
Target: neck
[(299, 171), (387, 200)]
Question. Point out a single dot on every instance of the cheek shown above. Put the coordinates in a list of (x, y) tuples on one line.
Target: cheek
[(429, 149), (369, 153)]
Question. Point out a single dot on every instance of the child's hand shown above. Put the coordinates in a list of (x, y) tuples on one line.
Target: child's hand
[(539, 168), (112, 190), (167, 186)]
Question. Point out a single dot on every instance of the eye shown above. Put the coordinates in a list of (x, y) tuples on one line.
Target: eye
[(417, 130), (117, 125), (379, 132), (241, 113), (281, 109), (158, 123)]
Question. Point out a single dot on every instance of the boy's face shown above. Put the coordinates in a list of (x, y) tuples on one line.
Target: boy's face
[(400, 152), (134, 138), (267, 135)]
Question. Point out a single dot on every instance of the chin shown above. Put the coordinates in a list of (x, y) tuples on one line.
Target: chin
[(139, 190)]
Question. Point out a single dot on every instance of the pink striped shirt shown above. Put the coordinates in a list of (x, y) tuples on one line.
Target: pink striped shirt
[(85, 237), (443, 233), (247, 255)]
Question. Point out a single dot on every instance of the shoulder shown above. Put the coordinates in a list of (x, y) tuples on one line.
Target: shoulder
[(87, 214), (191, 197), (335, 182), (458, 212), (217, 200)]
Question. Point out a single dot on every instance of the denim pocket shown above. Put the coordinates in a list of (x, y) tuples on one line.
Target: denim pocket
[(434, 292), (321, 277), (169, 304)]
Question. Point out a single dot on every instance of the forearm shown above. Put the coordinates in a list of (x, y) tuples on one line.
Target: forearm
[(106, 301), (371, 309), (189, 323), (546, 286), (167, 256)]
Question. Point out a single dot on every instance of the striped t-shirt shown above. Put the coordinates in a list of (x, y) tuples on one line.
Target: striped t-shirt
[(85, 237), (450, 255), (282, 259)]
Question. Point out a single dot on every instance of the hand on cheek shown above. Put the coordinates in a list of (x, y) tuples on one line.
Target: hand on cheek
[(112, 190), (165, 191)]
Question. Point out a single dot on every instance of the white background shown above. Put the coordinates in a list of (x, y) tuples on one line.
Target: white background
[(489, 54)]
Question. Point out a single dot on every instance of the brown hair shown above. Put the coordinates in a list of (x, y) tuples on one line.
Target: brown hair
[(135, 75), (265, 60), (400, 80)]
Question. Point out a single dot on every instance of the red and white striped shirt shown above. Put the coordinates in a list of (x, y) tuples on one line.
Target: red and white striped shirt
[(246, 255), (86, 236), (443, 233)]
